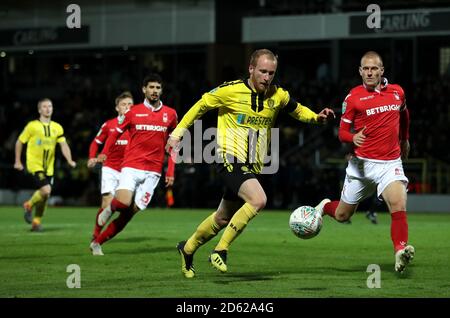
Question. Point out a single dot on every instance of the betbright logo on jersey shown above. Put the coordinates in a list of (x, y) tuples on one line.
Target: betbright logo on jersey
[(151, 128), (382, 109)]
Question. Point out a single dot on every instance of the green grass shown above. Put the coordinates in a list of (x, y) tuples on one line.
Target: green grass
[(267, 260)]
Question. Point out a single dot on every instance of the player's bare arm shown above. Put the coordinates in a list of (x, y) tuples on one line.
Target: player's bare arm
[(67, 154), (404, 149), (18, 163)]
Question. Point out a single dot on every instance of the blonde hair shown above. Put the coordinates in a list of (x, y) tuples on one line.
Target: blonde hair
[(255, 56)]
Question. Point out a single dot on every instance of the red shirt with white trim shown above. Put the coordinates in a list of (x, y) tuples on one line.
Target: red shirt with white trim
[(379, 112), (117, 151), (149, 129)]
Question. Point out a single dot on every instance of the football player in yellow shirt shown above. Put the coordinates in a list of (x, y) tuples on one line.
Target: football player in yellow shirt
[(41, 136), (247, 111)]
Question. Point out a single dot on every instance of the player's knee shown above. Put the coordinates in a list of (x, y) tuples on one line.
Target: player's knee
[(399, 206), (45, 193), (342, 217), (258, 203)]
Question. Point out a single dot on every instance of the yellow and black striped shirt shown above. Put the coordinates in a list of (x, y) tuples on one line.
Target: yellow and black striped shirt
[(41, 139), (245, 119)]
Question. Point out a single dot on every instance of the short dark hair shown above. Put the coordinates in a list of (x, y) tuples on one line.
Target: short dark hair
[(153, 77), (123, 96), (45, 99)]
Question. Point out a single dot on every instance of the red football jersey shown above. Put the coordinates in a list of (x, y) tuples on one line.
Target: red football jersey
[(379, 112), (149, 130), (117, 151)]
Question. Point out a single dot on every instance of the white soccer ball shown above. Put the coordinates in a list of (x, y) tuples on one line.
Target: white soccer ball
[(305, 222)]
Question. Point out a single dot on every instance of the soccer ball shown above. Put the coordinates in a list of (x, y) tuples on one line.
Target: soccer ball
[(305, 222)]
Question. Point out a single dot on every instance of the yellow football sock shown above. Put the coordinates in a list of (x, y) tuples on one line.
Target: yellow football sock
[(37, 220), (237, 224), (36, 197), (205, 231), (40, 208)]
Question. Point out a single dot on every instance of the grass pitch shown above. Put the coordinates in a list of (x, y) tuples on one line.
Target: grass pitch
[(267, 260)]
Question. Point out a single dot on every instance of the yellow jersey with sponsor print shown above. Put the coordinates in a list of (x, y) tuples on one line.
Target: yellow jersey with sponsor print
[(41, 139), (244, 121)]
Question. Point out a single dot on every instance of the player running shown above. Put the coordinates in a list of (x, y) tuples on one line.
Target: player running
[(41, 136), (149, 125), (247, 110), (377, 111), (112, 165)]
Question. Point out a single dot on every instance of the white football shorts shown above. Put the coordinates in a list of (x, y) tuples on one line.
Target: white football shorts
[(364, 176), (141, 182), (110, 180)]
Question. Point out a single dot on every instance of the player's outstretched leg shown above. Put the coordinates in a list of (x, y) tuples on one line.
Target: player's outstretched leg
[(320, 206), (218, 260), (235, 227), (403, 257), (187, 261)]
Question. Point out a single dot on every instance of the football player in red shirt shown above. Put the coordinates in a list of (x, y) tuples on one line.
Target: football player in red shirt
[(377, 111), (111, 167), (149, 125)]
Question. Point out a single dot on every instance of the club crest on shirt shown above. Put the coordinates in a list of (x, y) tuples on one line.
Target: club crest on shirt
[(165, 117), (270, 102), (397, 97)]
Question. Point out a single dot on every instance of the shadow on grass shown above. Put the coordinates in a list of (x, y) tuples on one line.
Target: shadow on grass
[(138, 239), (46, 229), (145, 250), (241, 277)]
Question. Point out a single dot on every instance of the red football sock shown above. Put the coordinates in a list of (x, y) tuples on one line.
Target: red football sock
[(115, 227), (116, 205), (97, 228), (330, 208), (399, 230)]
